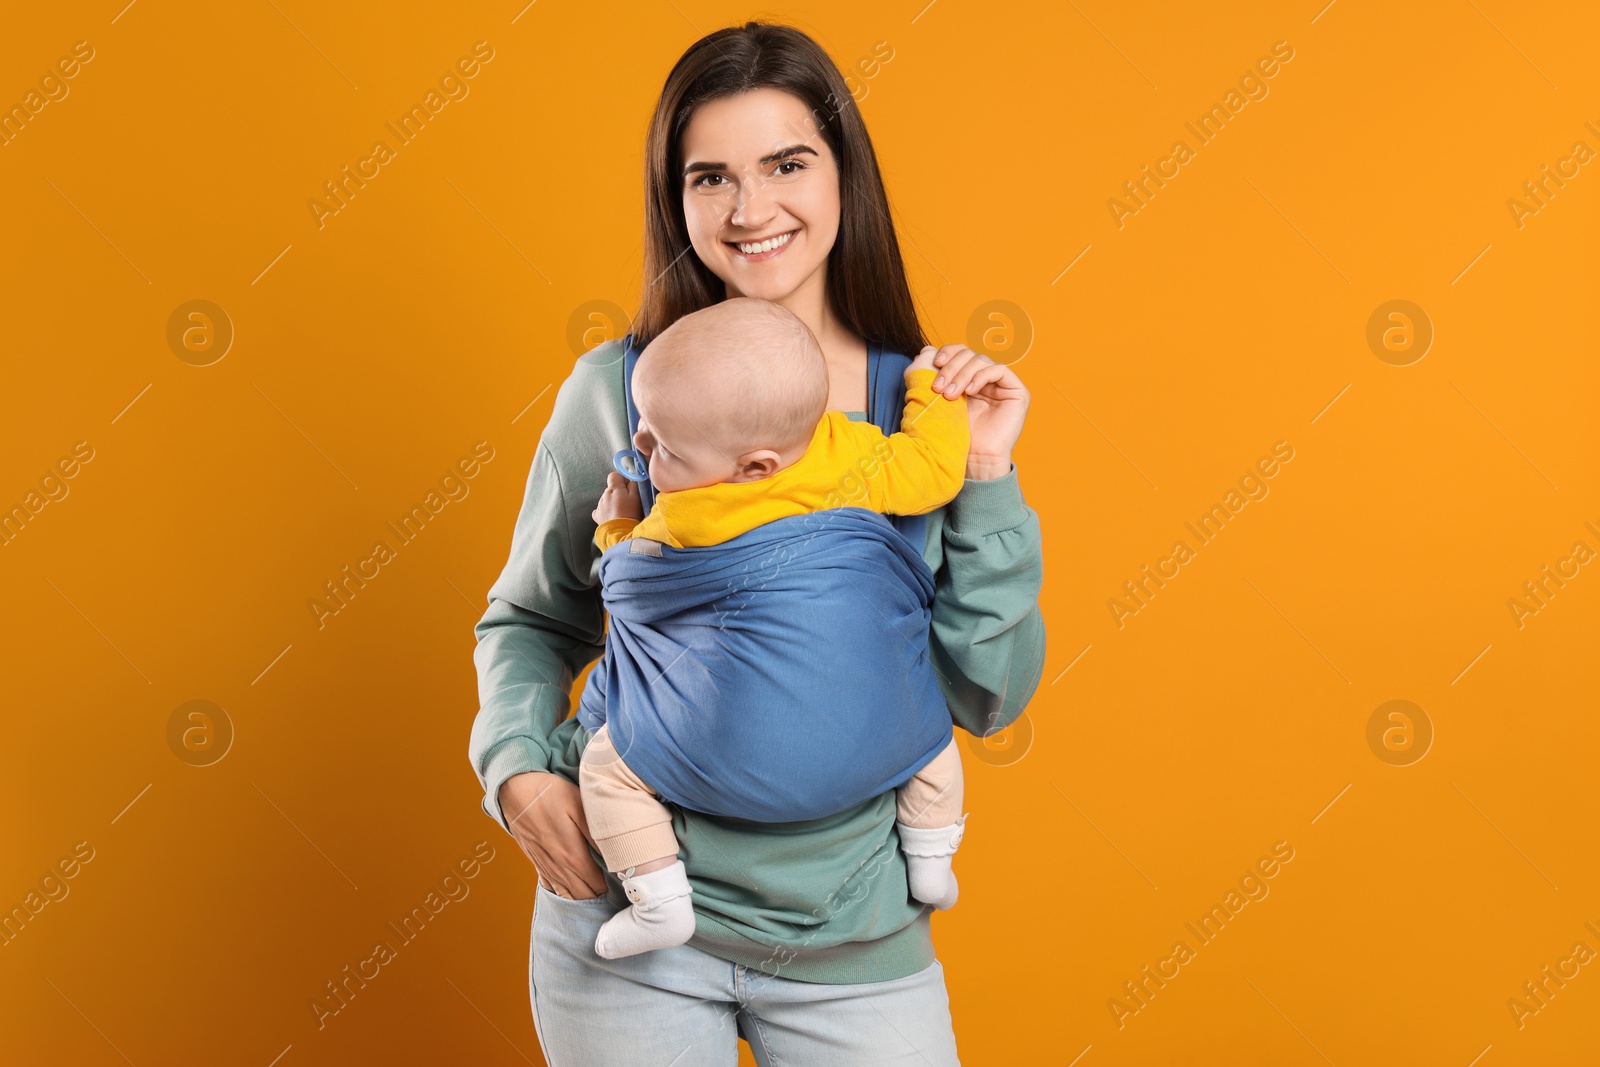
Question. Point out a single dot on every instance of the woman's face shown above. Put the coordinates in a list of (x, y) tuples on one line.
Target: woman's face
[(756, 167)]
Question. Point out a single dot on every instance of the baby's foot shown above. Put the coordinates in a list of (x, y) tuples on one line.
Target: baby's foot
[(661, 916), (932, 880), (928, 852)]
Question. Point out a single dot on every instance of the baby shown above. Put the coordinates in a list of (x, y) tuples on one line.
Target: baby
[(734, 428)]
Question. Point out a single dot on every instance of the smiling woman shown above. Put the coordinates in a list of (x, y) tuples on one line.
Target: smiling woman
[(754, 212), (760, 181), (778, 193)]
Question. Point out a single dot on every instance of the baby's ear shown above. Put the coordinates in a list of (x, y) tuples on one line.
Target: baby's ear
[(762, 463)]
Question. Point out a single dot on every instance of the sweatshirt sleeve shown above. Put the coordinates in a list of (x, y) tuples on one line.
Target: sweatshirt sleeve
[(987, 639), (545, 621)]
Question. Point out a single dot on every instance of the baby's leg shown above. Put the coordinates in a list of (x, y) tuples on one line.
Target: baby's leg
[(926, 816), (633, 831), (631, 828)]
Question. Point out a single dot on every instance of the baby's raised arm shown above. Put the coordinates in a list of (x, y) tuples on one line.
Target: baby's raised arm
[(922, 466)]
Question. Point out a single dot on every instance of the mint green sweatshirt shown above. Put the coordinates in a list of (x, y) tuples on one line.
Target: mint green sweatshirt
[(818, 901)]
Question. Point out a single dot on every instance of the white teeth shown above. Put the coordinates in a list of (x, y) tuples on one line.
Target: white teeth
[(765, 246)]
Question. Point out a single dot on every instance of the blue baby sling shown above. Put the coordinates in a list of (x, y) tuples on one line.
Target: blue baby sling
[(784, 674)]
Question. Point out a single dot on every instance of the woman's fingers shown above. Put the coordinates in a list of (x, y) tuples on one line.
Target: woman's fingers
[(582, 822), (570, 874), (957, 365), (950, 360), (572, 881), (961, 370), (589, 878), (543, 865), (958, 371), (526, 849), (997, 382), (545, 813), (584, 870), (994, 372)]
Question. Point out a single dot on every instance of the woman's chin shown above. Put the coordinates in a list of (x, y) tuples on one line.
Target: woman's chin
[(774, 286)]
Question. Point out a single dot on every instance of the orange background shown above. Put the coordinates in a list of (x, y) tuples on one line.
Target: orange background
[(433, 312)]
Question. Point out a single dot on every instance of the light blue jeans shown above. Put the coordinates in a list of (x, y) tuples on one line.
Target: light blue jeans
[(683, 1007)]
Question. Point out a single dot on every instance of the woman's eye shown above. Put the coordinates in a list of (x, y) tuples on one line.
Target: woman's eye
[(792, 163), (698, 182)]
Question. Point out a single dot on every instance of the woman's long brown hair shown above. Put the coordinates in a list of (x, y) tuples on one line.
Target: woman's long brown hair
[(867, 286)]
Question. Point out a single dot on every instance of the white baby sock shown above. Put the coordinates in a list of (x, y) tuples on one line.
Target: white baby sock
[(928, 851), (661, 916)]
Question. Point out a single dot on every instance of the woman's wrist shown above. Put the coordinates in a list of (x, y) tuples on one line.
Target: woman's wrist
[(987, 468)]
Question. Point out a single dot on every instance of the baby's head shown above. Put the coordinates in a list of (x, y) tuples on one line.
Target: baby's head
[(730, 393)]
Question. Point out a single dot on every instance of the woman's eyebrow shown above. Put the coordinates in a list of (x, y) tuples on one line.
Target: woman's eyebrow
[(782, 153)]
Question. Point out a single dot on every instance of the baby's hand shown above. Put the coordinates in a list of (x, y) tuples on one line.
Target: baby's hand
[(619, 501), (924, 360)]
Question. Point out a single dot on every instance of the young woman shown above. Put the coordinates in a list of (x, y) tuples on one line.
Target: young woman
[(760, 181)]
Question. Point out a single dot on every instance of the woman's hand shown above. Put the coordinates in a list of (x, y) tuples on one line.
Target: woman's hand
[(997, 403), (545, 813)]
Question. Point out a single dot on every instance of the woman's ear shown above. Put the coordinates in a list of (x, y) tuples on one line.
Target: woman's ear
[(757, 464)]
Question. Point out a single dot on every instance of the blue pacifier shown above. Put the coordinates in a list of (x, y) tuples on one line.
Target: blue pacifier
[(639, 462)]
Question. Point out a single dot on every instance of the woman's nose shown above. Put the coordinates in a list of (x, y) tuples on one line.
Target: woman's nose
[(750, 210)]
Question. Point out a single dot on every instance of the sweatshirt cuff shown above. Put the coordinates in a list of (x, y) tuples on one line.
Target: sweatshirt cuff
[(513, 756), (988, 507)]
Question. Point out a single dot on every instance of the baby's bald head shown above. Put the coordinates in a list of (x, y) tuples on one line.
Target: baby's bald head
[(744, 373)]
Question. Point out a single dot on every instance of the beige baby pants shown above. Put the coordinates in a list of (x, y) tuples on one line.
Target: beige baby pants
[(630, 826)]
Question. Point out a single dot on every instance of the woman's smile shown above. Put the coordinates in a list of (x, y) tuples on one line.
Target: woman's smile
[(767, 248)]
